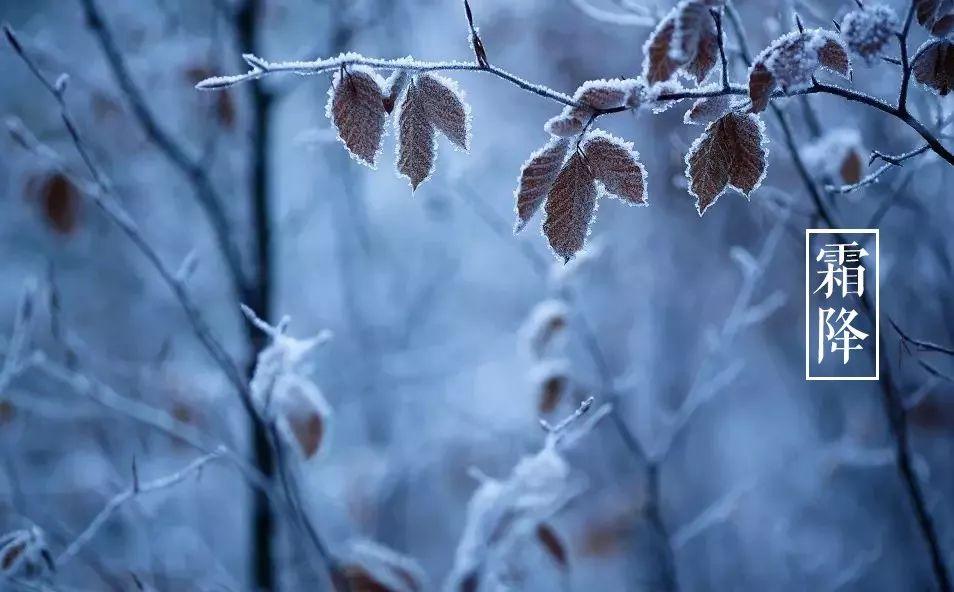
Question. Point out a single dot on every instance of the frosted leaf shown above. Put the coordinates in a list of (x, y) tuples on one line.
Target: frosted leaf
[(356, 107), (570, 205), (685, 39), (445, 107), (570, 122), (937, 16), (791, 60), (536, 177), (547, 319), (833, 56), (867, 31), (614, 164), (502, 514), (730, 153), (837, 154), (707, 110), (602, 94), (374, 567), (658, 64), (301, 413), (416, 141), (934, 66), (25, 555), (761, 85), (394, 86)]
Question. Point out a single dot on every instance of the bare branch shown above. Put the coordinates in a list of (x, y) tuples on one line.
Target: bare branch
[(128, 494)]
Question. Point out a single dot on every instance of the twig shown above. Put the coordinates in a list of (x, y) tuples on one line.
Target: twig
[(131, 492), (921, 344), (891, 399), (101, 194), (193, 168), (889, 162)]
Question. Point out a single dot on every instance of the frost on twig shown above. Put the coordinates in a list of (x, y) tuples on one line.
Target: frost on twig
[(283, 395), (504, 514)]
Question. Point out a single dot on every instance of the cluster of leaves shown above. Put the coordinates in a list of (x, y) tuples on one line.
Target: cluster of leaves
[(360, 100), (579, 163)]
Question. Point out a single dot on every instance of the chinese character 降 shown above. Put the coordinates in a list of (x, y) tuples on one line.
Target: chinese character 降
[(842, 335)]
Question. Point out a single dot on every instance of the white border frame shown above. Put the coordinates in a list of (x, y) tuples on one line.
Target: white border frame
[(809, 232)]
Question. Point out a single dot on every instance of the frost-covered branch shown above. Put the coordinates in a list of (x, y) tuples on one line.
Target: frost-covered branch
[(134, 490), (890, 161)]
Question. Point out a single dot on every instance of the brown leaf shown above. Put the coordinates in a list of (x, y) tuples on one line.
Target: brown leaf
[(658, 66), (416, 142), (706, 56), (707, 110), (59, 199), (536, 177), (225, 109), (359, 580), (551, 391), (552, 543), (11, 554), (685, 39), (937, 16), (730, 153), (308, 430), (614, 164), (934, 66), (851, 167), (601, 94), (761, 85), (833, 55), (395, 85), (356, 107), (445, 108), (570, 122), (570, 205)]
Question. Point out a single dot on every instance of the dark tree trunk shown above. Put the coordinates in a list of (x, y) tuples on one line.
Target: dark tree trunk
[(247, 21)]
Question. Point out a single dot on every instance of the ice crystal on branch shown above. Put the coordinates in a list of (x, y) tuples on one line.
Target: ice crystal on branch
[(838, 154)]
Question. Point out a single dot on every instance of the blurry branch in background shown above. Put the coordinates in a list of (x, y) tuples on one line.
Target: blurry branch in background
[(892, 399), (130, 493), (100, 192), (636, 16), (192, 167)]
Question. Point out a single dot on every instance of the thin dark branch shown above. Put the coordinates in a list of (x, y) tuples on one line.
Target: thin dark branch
[(191, 167), (921, 344), (717, 17), (905, 63), (890, 161), (891, 398)]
